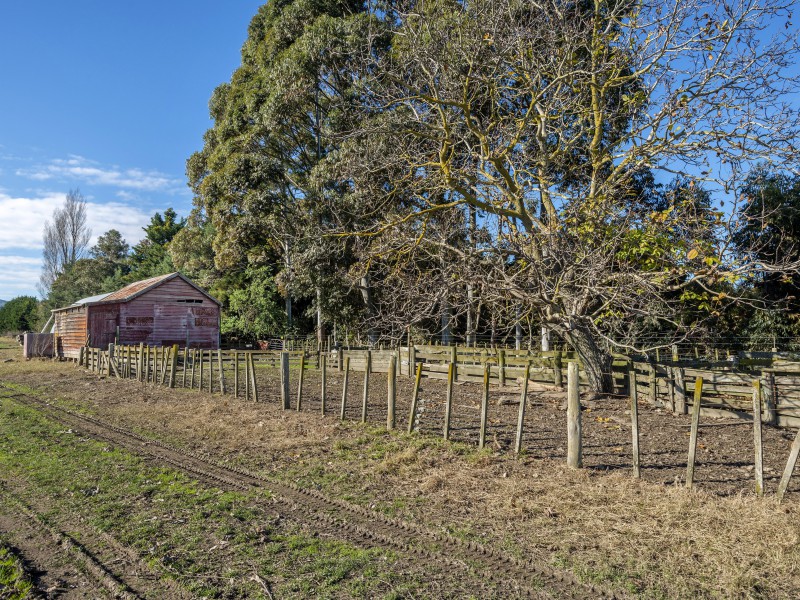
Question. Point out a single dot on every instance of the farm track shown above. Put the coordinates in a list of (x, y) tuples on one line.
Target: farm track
[(340, 519), (71, 549)]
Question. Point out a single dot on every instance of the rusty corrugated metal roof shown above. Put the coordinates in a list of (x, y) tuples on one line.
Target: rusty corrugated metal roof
[(136, 288)]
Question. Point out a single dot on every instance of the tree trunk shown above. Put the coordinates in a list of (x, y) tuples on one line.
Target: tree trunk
[(366, 294), (596, 361)]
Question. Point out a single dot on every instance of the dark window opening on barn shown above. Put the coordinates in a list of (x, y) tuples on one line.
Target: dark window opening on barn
[(190, 301)]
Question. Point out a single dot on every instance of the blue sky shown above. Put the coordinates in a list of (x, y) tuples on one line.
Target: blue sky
[(107, 97)]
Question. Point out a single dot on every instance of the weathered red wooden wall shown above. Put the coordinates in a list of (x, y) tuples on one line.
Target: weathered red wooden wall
[(103, 321), (158, 317), (70, 329)]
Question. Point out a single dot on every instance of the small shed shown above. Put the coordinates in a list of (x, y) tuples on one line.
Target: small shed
[(165, 310)]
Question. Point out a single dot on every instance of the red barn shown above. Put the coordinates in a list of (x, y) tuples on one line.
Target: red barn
[(163, 310)]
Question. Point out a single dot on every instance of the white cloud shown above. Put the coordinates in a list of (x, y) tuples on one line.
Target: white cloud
[(18, 276), (22, 220), (21, 225), (84, 170)]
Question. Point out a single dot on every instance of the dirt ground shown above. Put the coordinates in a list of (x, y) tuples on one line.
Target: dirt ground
[(650, 538)]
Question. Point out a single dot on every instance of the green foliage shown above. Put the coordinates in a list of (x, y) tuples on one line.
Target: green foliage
[(19, 314), (150, 257), (255, 311)]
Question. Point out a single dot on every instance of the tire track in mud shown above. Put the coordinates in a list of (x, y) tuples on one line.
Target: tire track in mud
[(339, 518), (79, 556)]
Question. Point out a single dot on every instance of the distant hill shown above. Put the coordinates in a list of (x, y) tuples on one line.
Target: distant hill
[(1, 303)]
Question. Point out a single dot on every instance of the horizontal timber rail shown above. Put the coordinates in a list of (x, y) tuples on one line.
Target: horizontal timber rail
[(770, 393)]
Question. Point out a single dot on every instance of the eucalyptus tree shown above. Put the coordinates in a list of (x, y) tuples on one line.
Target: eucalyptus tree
[(254, 179), (544, 117)]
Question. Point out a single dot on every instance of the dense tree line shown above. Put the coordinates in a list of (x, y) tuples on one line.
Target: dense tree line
[(613, 171), (616, 174)]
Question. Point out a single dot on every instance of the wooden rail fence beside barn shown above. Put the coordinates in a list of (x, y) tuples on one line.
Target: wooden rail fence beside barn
[(726, 388)]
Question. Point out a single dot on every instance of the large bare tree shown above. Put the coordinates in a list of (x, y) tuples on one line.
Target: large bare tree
[(549, 118), (65, 239)]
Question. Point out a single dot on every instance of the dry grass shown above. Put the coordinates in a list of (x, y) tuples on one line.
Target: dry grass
[(655, 541)]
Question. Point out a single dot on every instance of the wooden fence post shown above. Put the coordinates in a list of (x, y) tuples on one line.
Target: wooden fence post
[(201, 367), (634, 423), (790, 465), (698, 394), (247, 377), (653, 384), (340, 355), (454, 359), (365, 397), (448, 407), (253, 378), (173, 365), (221, 370), (185, 365), (671, 388), (757, 445), (414, 398), (484, 406), (391, 393), (770, 401), (574, 439), (523, 400), (680, 391), (558, 378), (323, 365), (285, 380), (300, 381), (193, 359), (236, 374), (344, 387), (210, 371), (501, 365)]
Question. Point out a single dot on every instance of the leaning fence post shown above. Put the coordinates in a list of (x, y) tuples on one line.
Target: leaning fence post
[(574, 441), (391, 394), (484, 406), (523, 400), (790, 464), (414, 398), (757, 445), (253, 380), (285, 380), (246, 377), (698, 394), (173, 365), (634, 423)]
